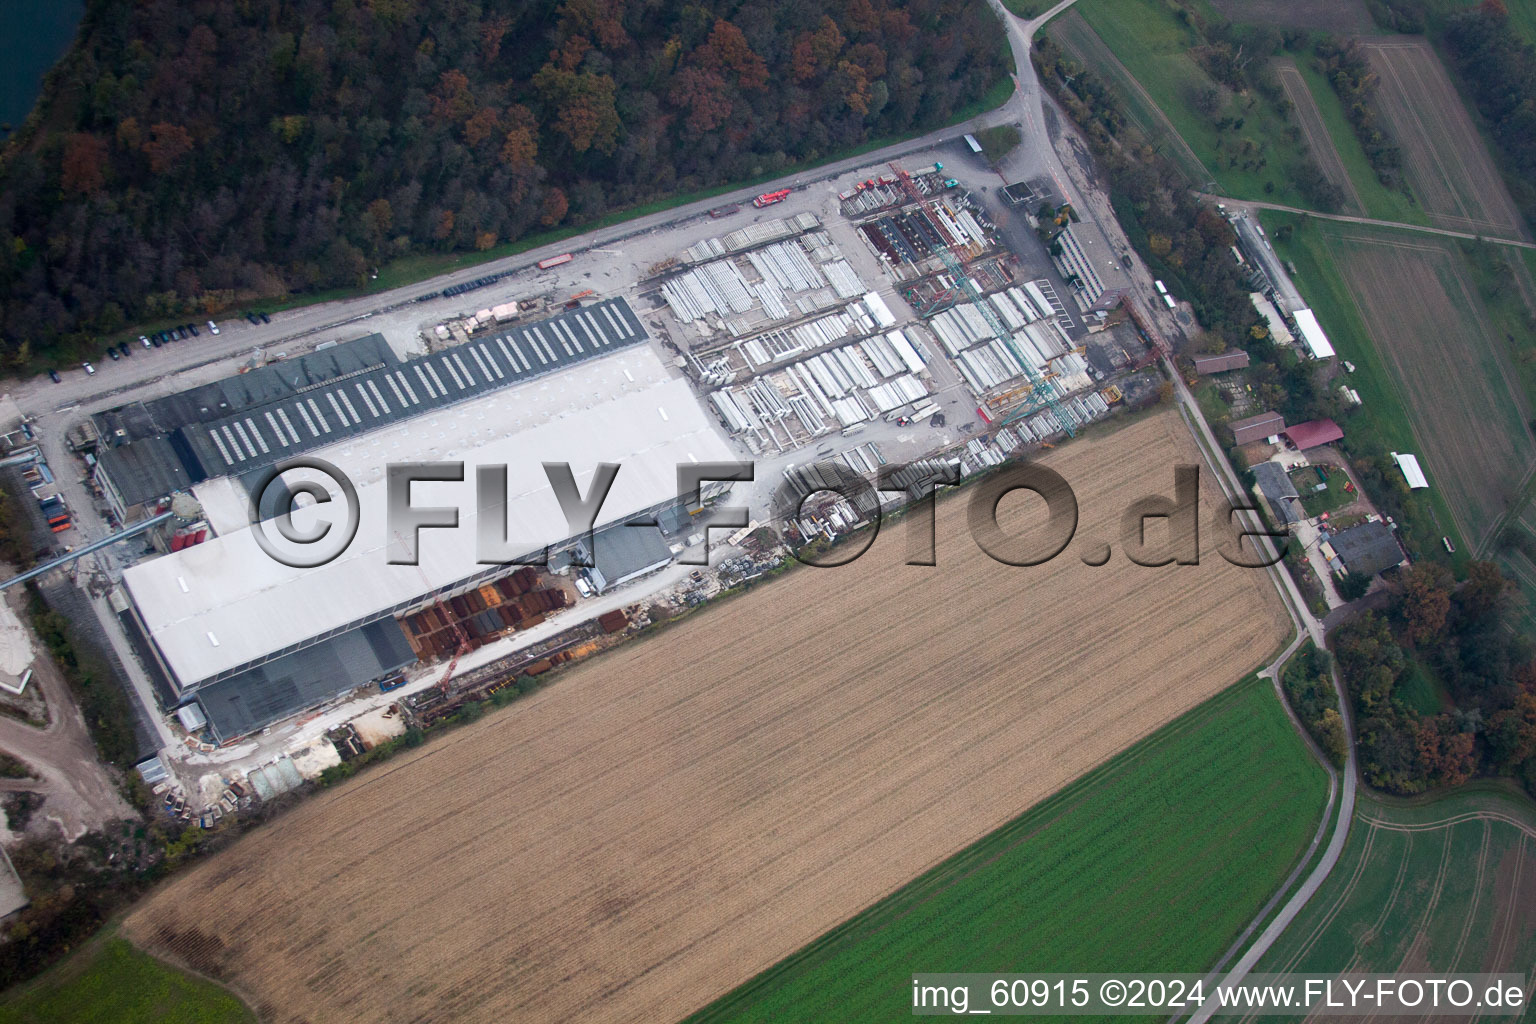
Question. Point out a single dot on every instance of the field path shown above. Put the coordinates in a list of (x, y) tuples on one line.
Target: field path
[(1319, 143), (669, 820)]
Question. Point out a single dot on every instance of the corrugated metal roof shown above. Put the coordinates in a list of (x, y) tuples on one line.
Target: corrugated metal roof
[(1256, 428), (1313, 433), (1226, 361)]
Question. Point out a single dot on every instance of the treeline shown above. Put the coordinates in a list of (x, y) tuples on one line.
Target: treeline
[(1344, 64), (1500, 71), (1309, 688), (1435, 630), (188, 157)]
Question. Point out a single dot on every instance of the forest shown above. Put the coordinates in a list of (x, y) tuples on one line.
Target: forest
[(1445, 645), (188, 157)]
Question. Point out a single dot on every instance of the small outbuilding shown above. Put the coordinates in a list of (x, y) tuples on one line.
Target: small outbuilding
[(1412, 472)]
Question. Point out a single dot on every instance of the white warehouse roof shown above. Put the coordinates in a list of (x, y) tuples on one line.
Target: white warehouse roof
[(1409, 464), (1312, 334), (221, 604)]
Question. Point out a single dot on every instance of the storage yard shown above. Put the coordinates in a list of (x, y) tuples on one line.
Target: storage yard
[(637, 840)]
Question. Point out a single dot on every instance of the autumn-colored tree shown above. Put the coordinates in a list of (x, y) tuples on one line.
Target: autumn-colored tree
[(85, 163), (703, 94), (452, 101), (444, 227), (1444, 753), (1425, 590), (727, 52), (555, 206), (167, 144), (583, 106), (484, 124), (492, 31)]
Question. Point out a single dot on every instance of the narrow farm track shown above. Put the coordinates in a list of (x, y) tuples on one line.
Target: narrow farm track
[(1315, 132), (636, 840)]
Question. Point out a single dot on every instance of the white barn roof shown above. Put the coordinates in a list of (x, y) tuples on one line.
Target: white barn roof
[(221, 604), (1312, 334), (1409, 464)]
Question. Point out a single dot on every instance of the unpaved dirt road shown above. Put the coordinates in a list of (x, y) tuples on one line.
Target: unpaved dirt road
[(669, 820)]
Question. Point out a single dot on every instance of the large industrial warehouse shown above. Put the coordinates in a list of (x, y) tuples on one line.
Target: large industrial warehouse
[(253, 640)]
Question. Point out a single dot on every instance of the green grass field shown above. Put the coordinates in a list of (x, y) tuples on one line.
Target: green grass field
[(1424, 887), (108, 981), (1154, 861), (1153, 44)]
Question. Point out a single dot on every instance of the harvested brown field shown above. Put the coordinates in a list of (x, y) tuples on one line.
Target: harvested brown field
[(1319, 143), (1447, 164), (1452, 370), (667, 821)]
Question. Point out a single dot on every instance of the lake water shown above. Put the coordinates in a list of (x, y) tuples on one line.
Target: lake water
[(36, 34)]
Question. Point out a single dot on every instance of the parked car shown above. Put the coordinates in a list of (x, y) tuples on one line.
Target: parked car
[(123, 349), (53, 375), (113, 353), (253, 319), (264, 318), (155, 341), (145, 340), (89, 369), (175, 333), (192, 328), (213, 328)]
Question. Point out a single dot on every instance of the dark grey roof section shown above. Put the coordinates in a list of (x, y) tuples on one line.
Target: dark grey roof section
[(144, 471), (242, 425), (258, 437), (1278, 489), (260, 696), (261, 386), (1368, 549), (625, 551)]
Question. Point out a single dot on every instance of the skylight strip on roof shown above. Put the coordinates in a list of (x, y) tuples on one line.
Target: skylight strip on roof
[(283, 417), (261, 441), (308, 423), (314, 407), (282, 438), (378, 396), (219, 443)]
